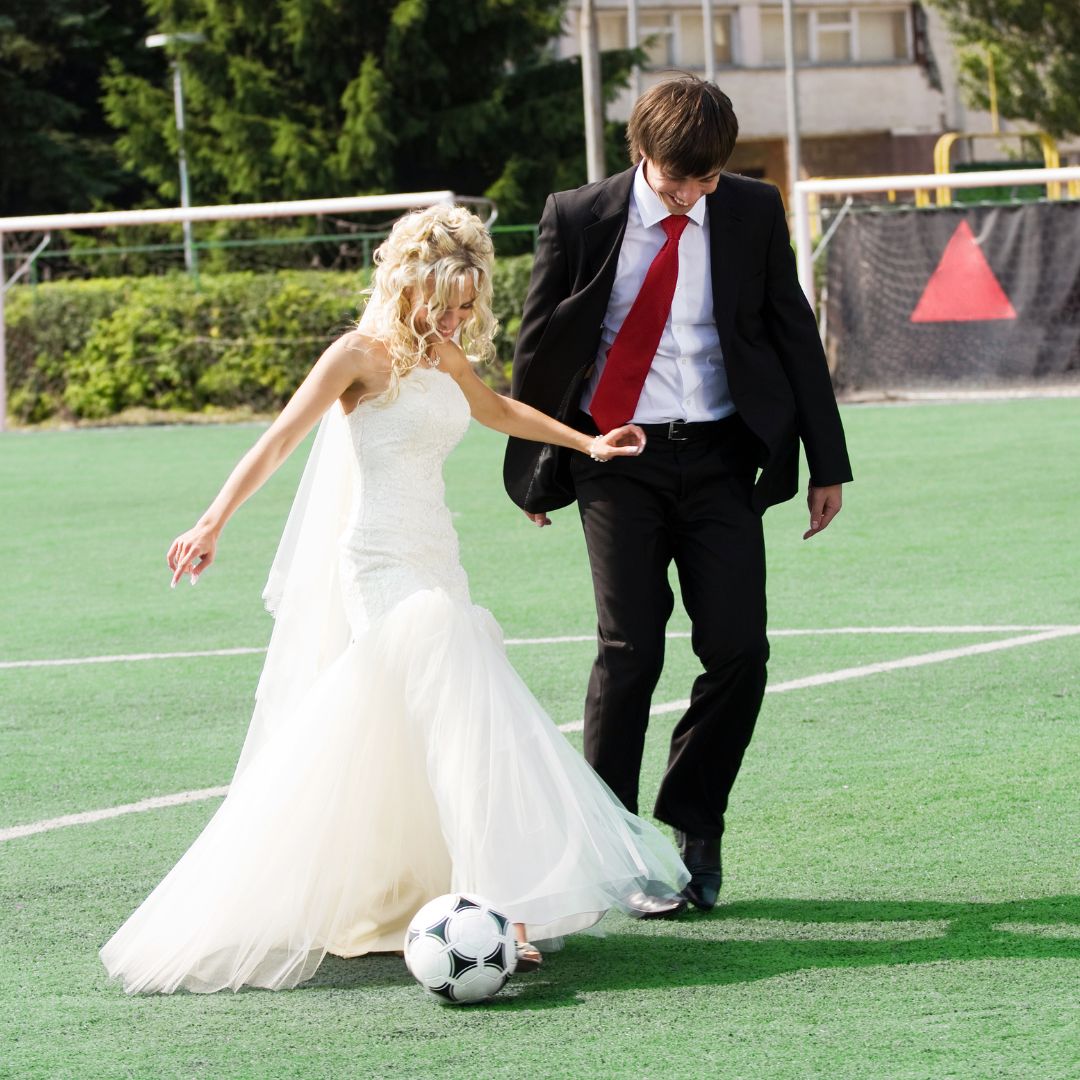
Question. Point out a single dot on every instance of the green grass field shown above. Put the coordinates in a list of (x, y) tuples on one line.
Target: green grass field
[(901, 896)]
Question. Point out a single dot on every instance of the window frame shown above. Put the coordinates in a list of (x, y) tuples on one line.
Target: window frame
[(673, 33), (909, 44), (815, 28), (612, 14)]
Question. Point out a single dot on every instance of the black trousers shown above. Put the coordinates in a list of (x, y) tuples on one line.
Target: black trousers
[(687, 502)]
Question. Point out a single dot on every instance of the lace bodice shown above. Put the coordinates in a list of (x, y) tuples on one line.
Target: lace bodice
[(400, 537)]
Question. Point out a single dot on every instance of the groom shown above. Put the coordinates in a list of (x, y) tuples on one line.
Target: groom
[(666, 295)]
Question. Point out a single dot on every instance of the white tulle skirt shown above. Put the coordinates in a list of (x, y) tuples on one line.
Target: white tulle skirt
[(418, 764)]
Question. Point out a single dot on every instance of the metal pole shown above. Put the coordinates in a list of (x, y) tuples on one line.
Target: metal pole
[(595, 168), (633, 36), (229, 212), (191, 261), (992, 80), (793, 148), (710, 45), (3, 342)]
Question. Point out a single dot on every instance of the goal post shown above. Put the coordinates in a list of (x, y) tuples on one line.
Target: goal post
[(960, 295), (47, 223), (872, 185)]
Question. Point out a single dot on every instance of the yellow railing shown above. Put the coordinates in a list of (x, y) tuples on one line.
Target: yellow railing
[(943, 161)]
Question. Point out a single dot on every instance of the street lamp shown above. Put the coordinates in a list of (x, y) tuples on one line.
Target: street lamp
[(157, 41)]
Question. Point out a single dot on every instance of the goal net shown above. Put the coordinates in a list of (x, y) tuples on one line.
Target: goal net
[(966, 296)]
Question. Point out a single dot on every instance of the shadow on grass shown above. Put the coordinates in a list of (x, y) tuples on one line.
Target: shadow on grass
[(758, 939), (754, 940), (373, 972)]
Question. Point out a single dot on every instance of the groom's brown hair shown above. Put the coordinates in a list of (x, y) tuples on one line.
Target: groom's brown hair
[(685, 124)]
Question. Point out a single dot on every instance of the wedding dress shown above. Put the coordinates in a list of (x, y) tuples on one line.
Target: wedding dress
[(406, 760)]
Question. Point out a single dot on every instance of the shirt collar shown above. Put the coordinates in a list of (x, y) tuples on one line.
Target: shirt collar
[(651, 210)]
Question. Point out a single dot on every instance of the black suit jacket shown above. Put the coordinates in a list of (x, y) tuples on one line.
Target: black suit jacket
[(776, 369)]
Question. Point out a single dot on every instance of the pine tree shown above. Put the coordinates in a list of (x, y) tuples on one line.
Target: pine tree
[(305, 98), (55, 145)]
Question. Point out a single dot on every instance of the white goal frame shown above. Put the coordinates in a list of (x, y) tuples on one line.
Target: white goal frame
[(46, 223), (805, 189)]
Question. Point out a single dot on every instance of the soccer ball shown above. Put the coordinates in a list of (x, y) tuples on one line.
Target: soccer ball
[(460, 949)]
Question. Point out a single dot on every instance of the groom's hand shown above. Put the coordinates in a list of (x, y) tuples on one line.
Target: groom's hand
[(538, 519), (824, 504)]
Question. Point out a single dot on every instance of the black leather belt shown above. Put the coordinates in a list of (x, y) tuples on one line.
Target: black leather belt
[(678, 431)]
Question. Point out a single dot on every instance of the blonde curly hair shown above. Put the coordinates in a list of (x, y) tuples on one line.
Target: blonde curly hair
[(441, 249)]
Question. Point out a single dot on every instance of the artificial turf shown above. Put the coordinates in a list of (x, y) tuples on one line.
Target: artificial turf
[(900, 892)]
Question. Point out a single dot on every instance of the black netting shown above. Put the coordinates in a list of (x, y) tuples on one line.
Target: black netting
[(1003, 307)]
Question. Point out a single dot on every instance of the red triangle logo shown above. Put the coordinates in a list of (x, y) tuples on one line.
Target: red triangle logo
[(963, 288)]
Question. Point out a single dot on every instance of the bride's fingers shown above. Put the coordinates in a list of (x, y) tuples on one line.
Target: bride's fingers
[(197, 571), (178, 573), (628, 435), (625, 441), (183, 558)]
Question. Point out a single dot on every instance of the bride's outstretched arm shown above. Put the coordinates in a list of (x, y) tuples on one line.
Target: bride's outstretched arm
[(341, 366), (516, 418)]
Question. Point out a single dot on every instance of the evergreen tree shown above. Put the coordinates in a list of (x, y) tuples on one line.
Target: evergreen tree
[(55, 145), (303, 98)]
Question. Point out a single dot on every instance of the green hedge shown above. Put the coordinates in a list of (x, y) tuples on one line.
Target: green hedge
[(93, 349)]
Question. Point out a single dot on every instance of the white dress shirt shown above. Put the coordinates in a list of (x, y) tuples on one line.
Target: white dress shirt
[(687, 380)]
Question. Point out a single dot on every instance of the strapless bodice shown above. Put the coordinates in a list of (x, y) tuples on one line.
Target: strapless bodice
[(400, 537)]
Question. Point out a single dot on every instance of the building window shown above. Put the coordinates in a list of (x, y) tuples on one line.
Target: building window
[(691, 38), (678, 39), (658, 38), (838, 36), (611, 30), (772, 36), (832, 32), (883, 35)]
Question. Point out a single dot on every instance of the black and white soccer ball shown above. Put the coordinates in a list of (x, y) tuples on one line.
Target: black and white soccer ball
[(460, 949)]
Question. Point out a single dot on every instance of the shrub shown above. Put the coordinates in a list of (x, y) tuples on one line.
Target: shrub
[(92, 349)]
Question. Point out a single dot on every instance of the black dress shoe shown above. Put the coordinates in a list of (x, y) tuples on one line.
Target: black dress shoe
[(641, 905), (702, 858)]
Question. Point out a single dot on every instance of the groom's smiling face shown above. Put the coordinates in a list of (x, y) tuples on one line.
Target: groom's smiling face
[(678, 193)]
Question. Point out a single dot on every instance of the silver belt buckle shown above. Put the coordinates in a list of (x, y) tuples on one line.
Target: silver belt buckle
[(673, 429)]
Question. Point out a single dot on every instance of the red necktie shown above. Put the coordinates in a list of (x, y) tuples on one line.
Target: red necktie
[(631, 353)]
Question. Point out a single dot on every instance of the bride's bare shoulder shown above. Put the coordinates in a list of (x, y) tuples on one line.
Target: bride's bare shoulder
[(370, 364), (363, 348)]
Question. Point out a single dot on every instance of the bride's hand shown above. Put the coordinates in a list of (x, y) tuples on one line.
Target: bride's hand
[(625, 441), (191, 553)]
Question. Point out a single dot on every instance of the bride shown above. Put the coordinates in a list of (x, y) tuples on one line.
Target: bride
[(394, 754)]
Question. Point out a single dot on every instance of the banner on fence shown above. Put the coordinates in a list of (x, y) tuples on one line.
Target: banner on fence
[(965, 297)]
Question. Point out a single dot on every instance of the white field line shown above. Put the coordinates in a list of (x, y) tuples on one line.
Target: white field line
[(822, 679), (113, 811), (130, 658), (824, 632), (863, 670), (126, 658)]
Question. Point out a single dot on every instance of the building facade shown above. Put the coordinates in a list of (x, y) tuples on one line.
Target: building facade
[(876, 78)]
